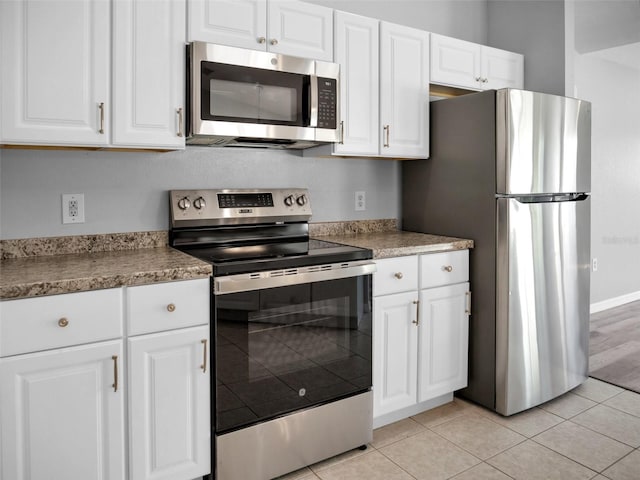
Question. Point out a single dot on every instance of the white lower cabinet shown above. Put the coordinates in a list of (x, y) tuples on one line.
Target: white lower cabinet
[(66, 378), (395, 362), (444, 339), (169, 405), (420, 335), (62, 414)]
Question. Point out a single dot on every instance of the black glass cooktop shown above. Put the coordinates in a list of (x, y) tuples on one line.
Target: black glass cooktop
[(230, 259)]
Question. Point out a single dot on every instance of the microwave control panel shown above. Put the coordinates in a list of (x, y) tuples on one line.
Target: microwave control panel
[(327, 102)]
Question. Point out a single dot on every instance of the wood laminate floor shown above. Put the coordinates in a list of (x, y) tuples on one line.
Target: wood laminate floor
[(614, 346)]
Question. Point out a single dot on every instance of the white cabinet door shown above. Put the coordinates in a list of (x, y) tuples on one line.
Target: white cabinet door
[(395, 352), (55, 72), (477, 67), (169, 409), (502, 69), (404, 91), (279, 26), (356, 50), (148, 68), (455, 62), (444, 338), (237, 23), (61, 416), (300, 29)]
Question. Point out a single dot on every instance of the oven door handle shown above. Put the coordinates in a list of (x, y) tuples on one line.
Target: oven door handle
[(247, 282)]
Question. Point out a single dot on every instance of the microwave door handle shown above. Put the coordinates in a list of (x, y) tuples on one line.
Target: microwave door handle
[(313, 101)]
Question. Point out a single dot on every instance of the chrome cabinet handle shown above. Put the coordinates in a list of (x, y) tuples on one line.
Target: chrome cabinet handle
[(478, 79), (398, 275), (115, 373), (341, 132), (101, 108), (274, 41), (63, 322), (386, 129), (447, 268), (417, 320), (468, 306), (261, 40), (171, 307), (204, 358), (180, 121)]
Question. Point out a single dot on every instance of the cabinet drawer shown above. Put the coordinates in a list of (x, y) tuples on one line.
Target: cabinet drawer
[(166, 306), (393, 275), (444, 268), (33, 324)]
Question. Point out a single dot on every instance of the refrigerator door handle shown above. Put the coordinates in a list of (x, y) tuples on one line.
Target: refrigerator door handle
[(548, 198)]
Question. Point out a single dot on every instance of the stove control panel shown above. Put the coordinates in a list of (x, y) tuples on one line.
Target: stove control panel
[(191, 208)]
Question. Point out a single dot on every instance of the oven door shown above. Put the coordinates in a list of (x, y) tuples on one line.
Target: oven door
[(290, 344)]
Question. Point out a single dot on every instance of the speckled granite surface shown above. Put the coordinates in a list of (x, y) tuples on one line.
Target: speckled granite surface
[(108, 242), (53, 274), (53, 265), (399, 243), (351, 227)]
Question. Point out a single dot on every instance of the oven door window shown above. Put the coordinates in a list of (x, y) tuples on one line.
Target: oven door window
[(231, 93), (287, 348)]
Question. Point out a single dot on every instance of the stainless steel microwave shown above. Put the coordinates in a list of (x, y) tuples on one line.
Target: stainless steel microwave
[(240, 97)]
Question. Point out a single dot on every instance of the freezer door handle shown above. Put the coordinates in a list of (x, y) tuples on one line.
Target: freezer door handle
[(549, 198)]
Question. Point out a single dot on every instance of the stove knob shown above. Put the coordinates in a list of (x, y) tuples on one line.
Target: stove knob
[(184, 203), (301, 200), (288, 200), (199, 203)]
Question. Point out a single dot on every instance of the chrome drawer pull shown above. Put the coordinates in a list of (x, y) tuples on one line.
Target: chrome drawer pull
[(468, 309), (63, 322), (101, 109), (447, 268), (171, 307), (417, 320), (115, 373), (398, 275), (204, 358)]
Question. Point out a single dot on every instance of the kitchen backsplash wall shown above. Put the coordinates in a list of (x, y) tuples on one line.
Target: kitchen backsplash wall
[(127, 192)]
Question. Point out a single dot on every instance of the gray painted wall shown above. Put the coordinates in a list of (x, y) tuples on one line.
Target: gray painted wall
[(609, 77), (128, 191), (534, 28)]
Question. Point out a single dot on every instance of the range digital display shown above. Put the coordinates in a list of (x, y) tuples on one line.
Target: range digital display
[(239, 200)]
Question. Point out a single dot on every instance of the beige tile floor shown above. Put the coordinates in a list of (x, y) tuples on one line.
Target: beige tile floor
[(592, 432)]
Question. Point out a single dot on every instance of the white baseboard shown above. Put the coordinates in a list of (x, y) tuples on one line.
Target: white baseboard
[(614, 302)]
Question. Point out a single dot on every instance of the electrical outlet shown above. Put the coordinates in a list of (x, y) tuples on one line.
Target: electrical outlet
[(594, 265), (73, 208), (361, 201)]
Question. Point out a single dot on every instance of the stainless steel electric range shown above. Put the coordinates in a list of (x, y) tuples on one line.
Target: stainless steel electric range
[(291, 323)]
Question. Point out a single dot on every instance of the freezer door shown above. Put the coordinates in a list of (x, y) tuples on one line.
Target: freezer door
[(543, 143), (542, 296)]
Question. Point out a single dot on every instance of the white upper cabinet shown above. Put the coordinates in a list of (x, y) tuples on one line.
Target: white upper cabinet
[(279, 26), (55, 72), (356, 50), (148, 73), (59, 66), (469, 65), (237, 23), (502, 69), (404, 91)]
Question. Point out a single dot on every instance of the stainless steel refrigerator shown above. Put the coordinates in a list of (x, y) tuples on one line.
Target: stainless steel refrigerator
[(511, 169)]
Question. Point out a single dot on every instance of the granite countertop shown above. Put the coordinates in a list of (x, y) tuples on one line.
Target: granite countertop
[(35, 276), (399, 243), (54, 265)]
